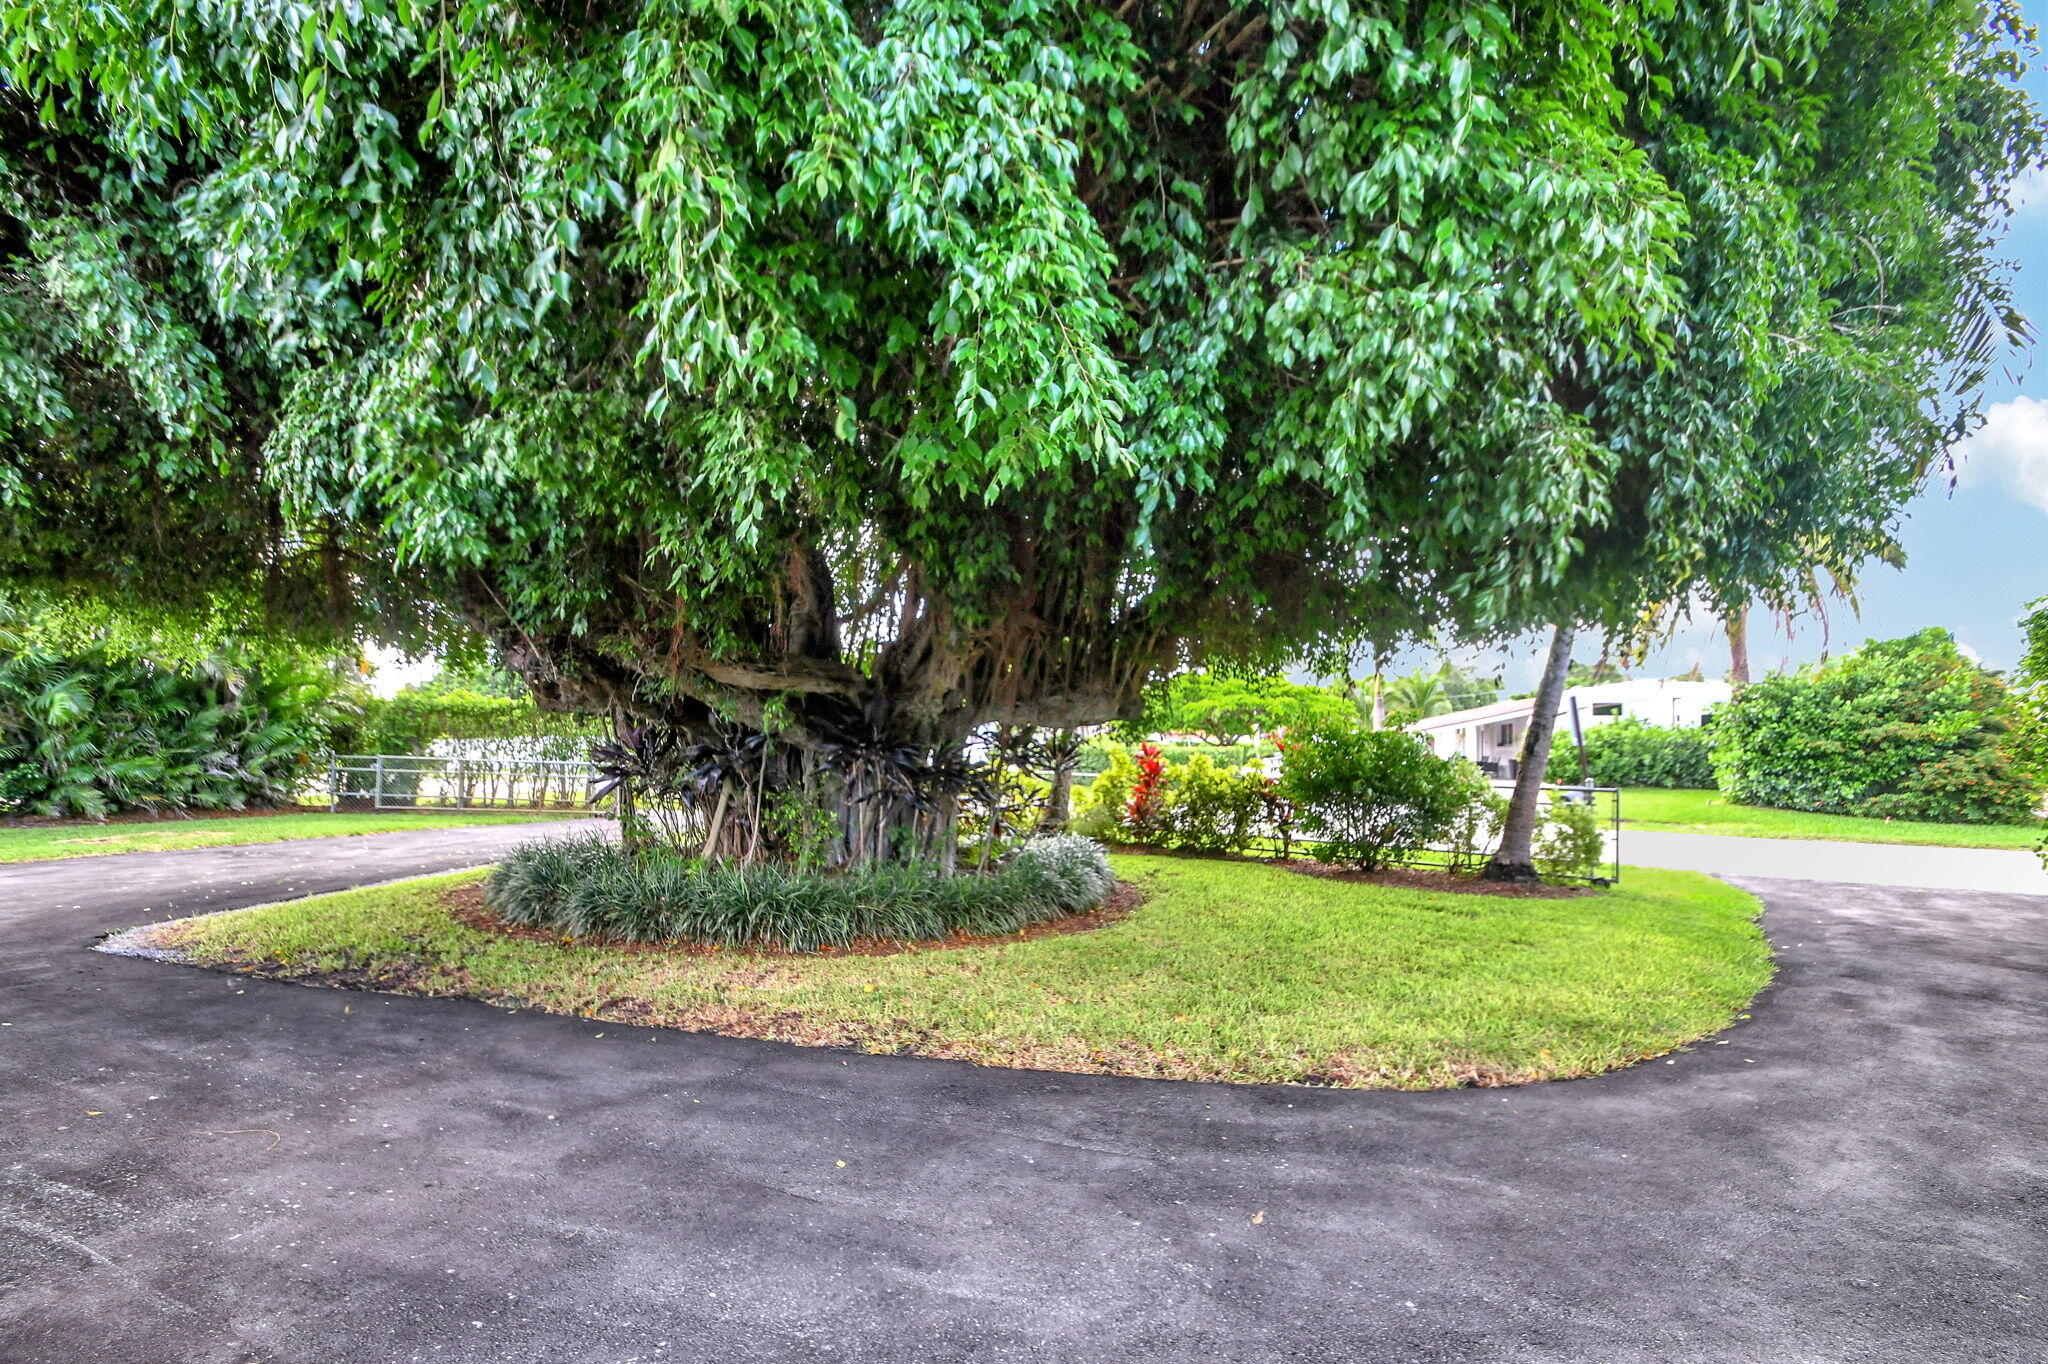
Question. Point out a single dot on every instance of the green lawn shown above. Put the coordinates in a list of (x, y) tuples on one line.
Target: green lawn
[(1709, 812), (1229, 971), (41, 843)]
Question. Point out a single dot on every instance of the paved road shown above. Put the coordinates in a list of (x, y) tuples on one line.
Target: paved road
[(200, 1170), (2001, 870)]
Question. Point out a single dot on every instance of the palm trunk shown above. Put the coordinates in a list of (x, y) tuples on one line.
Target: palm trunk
[(1515, 859)]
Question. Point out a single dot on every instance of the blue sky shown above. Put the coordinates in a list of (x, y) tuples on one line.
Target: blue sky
[(1975, 554)]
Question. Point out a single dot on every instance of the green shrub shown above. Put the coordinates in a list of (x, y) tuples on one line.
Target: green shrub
[(587, 886), (1111, 790), (1569, 841), (1199, 805), (2030, 729), (1370, 796), (1475, 833), (1630, 752), (1204, 808), (1906, 728), (1094, 821)]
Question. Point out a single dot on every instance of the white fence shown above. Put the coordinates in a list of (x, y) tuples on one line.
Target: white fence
[(396, 781)]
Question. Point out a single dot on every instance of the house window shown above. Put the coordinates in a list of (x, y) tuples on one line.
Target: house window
[(1606, 710), (1507, 734)]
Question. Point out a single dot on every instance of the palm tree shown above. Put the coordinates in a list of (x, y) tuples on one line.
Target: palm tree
[(1422, 694)]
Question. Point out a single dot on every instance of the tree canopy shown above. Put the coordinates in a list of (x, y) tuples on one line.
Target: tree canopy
[(883, 369), (1226, 710)]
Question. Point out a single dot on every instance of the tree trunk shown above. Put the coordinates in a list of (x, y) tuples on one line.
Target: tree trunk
[(1059, 804), (1379, 700), (1738, 646), (1515, 860)]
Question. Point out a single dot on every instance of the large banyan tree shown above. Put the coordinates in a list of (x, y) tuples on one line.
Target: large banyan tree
[(861, 374)]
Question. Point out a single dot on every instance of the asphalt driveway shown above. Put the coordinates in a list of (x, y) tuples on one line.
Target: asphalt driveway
[(195, 1168)]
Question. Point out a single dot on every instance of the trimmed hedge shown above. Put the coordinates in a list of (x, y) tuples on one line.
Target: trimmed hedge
[(1631, 752), (1904, 728), (587, 886)]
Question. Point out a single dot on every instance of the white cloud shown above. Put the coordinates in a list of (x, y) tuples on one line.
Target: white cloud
[(2010, 449), (2029, 193)]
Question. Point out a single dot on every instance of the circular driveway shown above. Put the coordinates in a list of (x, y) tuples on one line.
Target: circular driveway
[(198, 1168)]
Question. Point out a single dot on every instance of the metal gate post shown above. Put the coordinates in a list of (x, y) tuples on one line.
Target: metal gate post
[(377, 795), (1617, 835), (333, 783)]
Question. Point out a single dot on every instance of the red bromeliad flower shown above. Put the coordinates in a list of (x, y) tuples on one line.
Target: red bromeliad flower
[(1145, 791)]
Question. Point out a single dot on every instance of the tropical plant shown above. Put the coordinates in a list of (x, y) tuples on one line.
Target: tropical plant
[(589, 887), (94, 735), (1148, 793), (870, 375), (1905, 728), (1419, 695), (1432, 691), (1593, 674), (1570, 845)]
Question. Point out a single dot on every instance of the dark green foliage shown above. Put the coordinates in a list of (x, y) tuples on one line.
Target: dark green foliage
[(1369, 796), (1632, 752), (937, 363), (2030, 693), (589, 887), (93, 735), (1905, 728)]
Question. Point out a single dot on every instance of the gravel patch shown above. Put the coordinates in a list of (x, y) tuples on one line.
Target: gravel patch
[(141, 941)]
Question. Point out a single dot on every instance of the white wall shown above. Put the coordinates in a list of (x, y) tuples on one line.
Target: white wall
[(1654, 701)]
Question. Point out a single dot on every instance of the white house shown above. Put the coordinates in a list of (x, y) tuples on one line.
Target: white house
[(1491, 736)]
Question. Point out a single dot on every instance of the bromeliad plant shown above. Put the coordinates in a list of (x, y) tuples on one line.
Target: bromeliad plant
[(586, 887)]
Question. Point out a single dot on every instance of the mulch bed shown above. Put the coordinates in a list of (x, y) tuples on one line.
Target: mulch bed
[(1407, 878), (466, 905), (1416, 878)]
